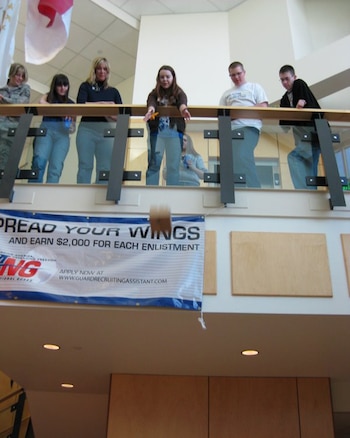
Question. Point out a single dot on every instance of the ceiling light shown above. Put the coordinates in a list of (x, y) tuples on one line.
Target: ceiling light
[(67, 385), (51, 347), (250, 352)]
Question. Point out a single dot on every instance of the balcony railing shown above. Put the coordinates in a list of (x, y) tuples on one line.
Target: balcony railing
[(14, 415), (210, 129)]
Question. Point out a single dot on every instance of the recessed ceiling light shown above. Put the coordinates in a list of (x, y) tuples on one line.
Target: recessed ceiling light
[(67, 385), (250, 352), (51, 347)]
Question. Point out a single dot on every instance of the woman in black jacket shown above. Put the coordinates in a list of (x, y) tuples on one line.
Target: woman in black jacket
[(303, 160)]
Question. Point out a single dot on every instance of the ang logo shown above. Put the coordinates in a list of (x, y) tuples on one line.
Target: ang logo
[(22, 268)]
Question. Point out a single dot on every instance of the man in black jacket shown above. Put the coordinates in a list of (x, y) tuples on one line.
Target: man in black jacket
[(303, 160)]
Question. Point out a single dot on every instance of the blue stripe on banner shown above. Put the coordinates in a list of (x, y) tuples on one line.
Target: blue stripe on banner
[(109, 301)]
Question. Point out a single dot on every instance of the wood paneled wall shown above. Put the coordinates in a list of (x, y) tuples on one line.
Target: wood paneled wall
[(210, 275), (345, 238), (280, 264), (219, 407), (158, 407), (314, 397), (254, 407), (275, 264)]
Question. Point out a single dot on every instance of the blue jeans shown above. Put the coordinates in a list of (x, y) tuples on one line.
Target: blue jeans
[(303, 160), (91, 144), (243, 155), (51, 149), (169, 141)]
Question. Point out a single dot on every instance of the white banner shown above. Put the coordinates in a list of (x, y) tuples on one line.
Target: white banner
[(101, 260), (9, 11)]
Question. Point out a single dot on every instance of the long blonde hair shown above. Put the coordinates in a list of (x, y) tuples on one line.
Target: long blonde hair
[(189, 146), (92, 76)]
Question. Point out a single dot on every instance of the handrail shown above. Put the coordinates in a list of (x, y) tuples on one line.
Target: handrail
[(268, 113), (17, 407), (18, 391)]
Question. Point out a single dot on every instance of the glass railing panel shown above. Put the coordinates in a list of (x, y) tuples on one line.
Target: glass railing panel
[(269, 159), (136, 152), (14, 415), (325, 141), (271, 155), (7, 417), (267, 156), (202, 152), (196, 155), (342, 151), (135, 156), (25, 163), (300, 159), (14, 409)]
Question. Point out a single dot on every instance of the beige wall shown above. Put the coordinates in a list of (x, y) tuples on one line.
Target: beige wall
[(262, 35), (195, 45)]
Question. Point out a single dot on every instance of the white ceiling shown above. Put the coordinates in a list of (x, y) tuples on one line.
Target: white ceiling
[(104, 28)]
